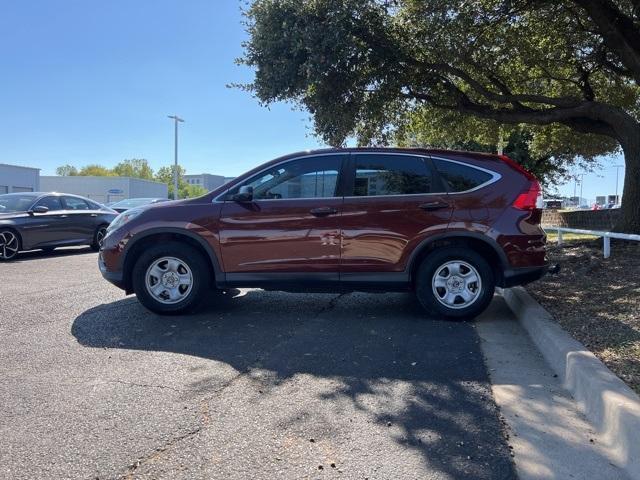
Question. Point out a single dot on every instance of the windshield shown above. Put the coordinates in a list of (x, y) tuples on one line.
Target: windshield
[(132, 202), (15, 203)]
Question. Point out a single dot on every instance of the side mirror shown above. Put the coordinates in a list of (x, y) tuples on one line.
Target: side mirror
[(245, 194), (40, 209)]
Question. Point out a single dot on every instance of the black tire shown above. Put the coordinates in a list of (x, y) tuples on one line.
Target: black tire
[(197, 263), (10, 244), (98, 236), (434, 263)]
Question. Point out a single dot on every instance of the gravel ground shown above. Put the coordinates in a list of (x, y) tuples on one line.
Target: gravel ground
[(597, 301), (257, 385)]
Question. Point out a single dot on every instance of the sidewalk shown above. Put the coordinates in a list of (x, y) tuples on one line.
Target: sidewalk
[(549, 436)]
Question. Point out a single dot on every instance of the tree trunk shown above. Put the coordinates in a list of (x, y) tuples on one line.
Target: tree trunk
[(630, 219)]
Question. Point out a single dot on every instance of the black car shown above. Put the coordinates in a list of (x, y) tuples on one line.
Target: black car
[(128, 204), (48, 220)]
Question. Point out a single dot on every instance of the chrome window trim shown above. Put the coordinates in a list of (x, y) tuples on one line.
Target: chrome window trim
[(219, 199), (495, 176)]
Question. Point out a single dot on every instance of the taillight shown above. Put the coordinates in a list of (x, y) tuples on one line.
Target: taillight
[(530, 199)]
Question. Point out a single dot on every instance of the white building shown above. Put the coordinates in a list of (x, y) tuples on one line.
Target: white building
[(105, 189), (14, 178), (205, 180)]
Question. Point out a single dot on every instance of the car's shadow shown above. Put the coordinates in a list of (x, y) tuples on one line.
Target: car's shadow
[(58, 252), (367, 342)]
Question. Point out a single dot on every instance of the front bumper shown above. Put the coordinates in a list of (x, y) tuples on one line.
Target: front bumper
[(522, 276), (115, 278)]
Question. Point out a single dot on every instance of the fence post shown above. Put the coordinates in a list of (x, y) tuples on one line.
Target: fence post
[(607, 246), (559, 237)]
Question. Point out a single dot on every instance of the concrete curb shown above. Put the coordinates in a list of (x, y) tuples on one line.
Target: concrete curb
[(608, 403)]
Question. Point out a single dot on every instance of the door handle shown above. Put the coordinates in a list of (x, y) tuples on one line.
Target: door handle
[(94, 214), (323, 211), (63, 216), (430, 206)]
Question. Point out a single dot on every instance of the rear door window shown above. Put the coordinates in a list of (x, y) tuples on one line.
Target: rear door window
[(382, 174), (459, 177), (74, 203)]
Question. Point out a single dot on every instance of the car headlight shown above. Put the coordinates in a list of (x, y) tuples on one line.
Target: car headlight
[(123, 218)]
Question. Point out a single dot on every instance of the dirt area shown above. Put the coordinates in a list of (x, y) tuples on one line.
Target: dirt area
[(597, 301)]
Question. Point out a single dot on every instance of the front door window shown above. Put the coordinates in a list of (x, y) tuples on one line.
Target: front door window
[(315, 177)]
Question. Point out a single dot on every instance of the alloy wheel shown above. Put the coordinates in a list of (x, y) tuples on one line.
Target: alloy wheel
[(9, 245), (169, 280), (456, 284), (100, 234)]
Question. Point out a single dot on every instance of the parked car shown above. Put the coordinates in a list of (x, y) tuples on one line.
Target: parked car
[(449, 226), (49, 220), (128, 204)]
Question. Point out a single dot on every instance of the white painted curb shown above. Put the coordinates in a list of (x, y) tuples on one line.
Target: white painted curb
[(608, 403)]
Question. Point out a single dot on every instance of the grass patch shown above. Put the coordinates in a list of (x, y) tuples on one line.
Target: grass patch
[(597, 301), (552, 236)]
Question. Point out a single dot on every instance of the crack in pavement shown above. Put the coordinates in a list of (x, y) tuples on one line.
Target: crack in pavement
[(331, 305), (142, 385), (158, 452)]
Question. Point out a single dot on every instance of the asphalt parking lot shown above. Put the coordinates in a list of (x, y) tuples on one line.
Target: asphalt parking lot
[(257, 385)]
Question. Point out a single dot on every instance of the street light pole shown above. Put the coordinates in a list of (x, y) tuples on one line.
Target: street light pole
[(176, 119), (618, 167), (581, 183)]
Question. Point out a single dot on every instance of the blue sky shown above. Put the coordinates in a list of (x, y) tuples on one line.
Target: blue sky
[(93, 82)]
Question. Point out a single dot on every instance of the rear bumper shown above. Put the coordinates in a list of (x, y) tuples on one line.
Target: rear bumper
[(522, 276)]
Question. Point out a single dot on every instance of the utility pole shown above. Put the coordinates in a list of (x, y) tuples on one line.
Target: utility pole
[(581, 183), (617, 167), (176, 120)]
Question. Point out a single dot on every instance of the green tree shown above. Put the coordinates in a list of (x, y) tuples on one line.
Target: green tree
[(165, 175), (192, 191), (552, 164), (66, 171), (95, 170), (569, 68), (135, 167)]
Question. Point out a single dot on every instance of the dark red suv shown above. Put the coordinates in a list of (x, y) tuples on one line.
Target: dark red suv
[(448, 225)]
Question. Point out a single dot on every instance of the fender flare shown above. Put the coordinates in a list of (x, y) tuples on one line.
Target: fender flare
[(213, 258), (452, 235)]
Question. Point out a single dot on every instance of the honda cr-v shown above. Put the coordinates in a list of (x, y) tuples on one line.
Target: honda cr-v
[(450, 226)]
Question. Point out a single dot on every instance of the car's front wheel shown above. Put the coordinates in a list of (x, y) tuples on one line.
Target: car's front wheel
[(98, 237), (9, 245), (171, 278), (455, 282)]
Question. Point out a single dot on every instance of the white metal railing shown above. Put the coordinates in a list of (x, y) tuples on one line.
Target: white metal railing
[(606, 236)]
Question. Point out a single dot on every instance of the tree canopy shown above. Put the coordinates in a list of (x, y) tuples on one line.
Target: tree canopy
[(66, 170), (567, 69), (165, 175), (137, 168)]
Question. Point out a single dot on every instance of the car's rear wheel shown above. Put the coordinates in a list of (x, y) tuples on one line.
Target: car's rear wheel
[(98, 237), (455, 282), (171, 278), (9, 245)]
